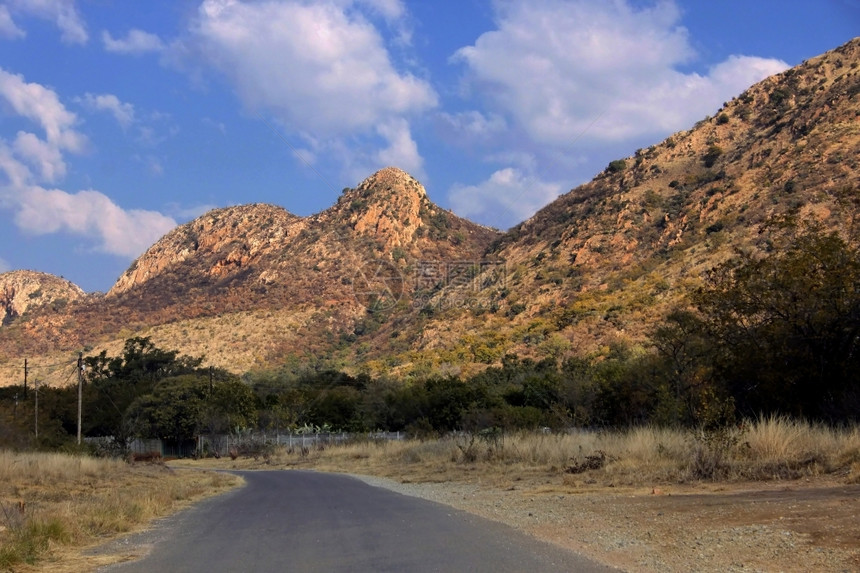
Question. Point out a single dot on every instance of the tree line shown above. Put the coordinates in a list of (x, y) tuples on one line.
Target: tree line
[(772, 333)]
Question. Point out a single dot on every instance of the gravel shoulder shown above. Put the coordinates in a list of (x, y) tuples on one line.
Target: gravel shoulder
[(808, 525)]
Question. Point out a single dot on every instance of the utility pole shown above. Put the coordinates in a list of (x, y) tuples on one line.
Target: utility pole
[(36, 392), (80, 385)]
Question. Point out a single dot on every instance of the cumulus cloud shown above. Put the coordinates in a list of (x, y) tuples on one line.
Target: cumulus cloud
[(89, 213), (402, 151), (122, 112), (506, 198), (40, 210), (321, 69), (8, 28), (471, 126), (41, 105), (391, 10), (555, 66), (135, 43), (317, 67), (63, 13), (44, 156)]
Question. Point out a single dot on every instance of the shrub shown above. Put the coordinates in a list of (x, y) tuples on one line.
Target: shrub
[(616, 166), (711, 155)]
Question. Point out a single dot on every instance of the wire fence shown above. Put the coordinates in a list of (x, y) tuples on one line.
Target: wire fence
[(250, 443)]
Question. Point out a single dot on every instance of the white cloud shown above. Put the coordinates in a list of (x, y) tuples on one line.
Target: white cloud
[(16, 172), (391, 10), (321, 68), (41, 105), (555, 66), (402, 150), (8, 28), (63, 13), (122, 112), (472, 125), (47, 158), (126, 233), (38, 210), (506, 198), (136, 42), (5, 267), (318, 68)]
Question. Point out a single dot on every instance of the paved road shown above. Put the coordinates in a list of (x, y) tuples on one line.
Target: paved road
[(306, 521)]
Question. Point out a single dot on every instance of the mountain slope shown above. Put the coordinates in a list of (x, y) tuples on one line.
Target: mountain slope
[(605, 261), (313, 277), (385, 281)]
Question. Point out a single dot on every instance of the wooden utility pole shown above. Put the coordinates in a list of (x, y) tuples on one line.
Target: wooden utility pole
[(36, 416), (80, 385)]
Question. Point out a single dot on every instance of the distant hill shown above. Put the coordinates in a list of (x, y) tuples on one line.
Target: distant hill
[(22, 290), (247, 285), (384, 281)]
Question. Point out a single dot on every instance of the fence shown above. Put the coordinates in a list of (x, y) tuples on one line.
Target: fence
[(220, 444)]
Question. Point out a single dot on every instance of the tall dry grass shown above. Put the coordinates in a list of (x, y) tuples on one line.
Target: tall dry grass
[(52, 503), (764, 449)]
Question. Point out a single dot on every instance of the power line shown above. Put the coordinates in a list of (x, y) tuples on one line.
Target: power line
[(30, 366)]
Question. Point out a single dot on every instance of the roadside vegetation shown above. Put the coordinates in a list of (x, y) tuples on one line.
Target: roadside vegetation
[(756, 377), (772, 448), (52, 504)]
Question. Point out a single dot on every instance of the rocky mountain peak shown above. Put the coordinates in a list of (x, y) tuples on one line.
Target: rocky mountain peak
[(390, 207), (227, 238), (23, 290)]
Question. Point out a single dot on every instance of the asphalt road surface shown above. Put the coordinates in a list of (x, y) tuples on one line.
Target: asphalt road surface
[(307, 521)]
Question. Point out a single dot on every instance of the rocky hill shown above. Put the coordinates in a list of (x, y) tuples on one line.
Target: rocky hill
[(606, 261), (385, 281), (22, 290), (248, 285)]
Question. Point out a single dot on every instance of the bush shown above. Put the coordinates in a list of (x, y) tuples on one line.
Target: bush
[(616, 166), (711, 155)]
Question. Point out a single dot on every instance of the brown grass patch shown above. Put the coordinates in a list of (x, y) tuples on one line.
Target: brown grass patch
[(51, 505), (765, 449)]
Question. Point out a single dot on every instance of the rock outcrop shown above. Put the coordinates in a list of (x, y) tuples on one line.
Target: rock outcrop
[(21, 291)]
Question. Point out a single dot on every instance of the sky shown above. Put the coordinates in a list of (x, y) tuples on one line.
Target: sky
[(120, 120)]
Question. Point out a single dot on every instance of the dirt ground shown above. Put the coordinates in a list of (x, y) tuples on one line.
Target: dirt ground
[(784, 526)]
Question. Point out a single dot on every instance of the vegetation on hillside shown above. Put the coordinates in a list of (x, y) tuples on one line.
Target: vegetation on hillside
[(777, 334)]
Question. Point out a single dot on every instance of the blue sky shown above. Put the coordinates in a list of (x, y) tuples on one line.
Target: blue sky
[(120, 120)]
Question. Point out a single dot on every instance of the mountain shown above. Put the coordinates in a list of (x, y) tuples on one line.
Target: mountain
[(605, 261), (22, 290), (250, 284), (384, 281)]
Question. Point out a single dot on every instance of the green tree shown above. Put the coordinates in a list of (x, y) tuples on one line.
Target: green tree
[(114, 383), (786, 327), (180, 407)]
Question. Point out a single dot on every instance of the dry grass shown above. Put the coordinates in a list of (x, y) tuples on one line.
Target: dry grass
[(54, 504), (765, 449)]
